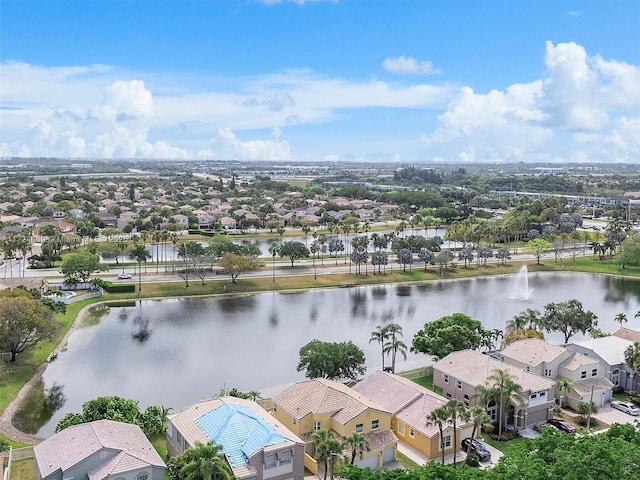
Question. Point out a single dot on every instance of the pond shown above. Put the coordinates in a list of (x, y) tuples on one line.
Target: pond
[(175, 352)]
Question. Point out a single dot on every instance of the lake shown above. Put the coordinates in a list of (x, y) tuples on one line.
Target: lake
[(174, 352)]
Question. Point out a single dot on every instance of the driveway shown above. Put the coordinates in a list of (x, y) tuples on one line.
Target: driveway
[(610, 415)]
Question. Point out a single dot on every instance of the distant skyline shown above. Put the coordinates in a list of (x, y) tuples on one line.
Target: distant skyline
[(446, 81)]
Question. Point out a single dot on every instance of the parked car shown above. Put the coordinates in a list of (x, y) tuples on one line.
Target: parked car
[(124, 276), (562, 425), (478, 448), (626, 407)]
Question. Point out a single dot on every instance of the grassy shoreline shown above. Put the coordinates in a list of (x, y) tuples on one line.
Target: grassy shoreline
[(23, 370)]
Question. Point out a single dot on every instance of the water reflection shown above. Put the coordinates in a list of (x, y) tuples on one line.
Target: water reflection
[(39, 407), (177, 351)]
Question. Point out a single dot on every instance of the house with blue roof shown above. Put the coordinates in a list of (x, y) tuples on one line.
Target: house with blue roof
[(254, 444)]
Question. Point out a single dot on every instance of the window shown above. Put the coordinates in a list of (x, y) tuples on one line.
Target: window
[(316, 426), (458, 384), (445, 378), (270, 461), (594, 372), (412, 433), (401, 428), (583, 374), (446, 441), (466, 399), (547, 372), (447, 394), (543, 394), (360, 428), (534, 395), (285, 457), (143, 476), (375, 424)]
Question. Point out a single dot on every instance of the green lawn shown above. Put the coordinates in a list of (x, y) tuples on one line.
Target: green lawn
[(24, 469), (427, 382)]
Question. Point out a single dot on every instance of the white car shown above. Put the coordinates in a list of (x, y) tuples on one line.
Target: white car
[(124, 276), (626, 407)]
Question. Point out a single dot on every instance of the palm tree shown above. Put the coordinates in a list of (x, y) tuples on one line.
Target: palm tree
[(139, 254), (481, 421), (632, 358), (200, 462), (394, 345), (254, 395), (274, 248), (457, 410), (380, 335), (501, 387), (439, 417), (358, 444), (621, 318), (306, 229), (564, 385), (326, 446), (517, 323)]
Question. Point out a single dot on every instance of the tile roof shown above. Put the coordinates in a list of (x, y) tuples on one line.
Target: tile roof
[(610, 349), (239, 430), (241, 426), (578, 360), (473, 368), (411, 403), (73, 444), (319, 396), (628, 334), (533, 351), (583, 387)]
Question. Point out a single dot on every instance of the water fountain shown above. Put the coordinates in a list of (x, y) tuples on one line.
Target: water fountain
[(521, 288)]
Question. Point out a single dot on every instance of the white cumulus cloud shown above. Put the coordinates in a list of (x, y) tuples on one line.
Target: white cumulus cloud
[(409, 65), (228, 146)]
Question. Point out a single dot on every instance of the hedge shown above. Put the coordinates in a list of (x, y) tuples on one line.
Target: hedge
[(111, 287)]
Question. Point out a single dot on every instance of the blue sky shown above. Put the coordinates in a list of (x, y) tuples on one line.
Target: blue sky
[(358, 80)]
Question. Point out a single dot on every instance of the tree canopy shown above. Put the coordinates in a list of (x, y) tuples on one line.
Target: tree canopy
[(293, 250), (200, 462), (234, 265), (448, 334), (151, 421), (81, 265), (569, 318), (332, 360), (24, 321)]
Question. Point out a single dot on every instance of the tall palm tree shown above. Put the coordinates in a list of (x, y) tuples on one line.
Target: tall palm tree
[(274, 248), (457, 411), (481, 421), (326, 446), (139, 254), (394, 344), (564, 385), (505, 389), (632, 358), (358, 444), (380, 335), (440, 418), (200, 462), (621, 318)]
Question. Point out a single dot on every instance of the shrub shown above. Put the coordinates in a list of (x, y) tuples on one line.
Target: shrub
[(111, 287)]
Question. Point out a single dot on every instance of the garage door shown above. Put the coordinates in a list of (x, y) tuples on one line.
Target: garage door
[(368, 462), (388, 455)]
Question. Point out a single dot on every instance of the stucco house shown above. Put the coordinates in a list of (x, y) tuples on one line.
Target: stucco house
[(586, 374), (308, 406), (410, 404), (459, 373), (98, 450), (255, 445), (610, 352)]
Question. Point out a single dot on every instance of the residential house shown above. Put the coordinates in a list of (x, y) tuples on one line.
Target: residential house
[(205, 219), (100, 450), (181, 220), (317, 404), (125, 218), (555, 362), (228, 223), (255, 444), (459, 373), (410, 404), (609, 351)]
